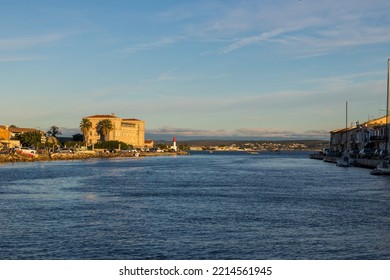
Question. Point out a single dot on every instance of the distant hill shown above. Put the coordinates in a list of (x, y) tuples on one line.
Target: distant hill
[(311, 144), (168, 137)]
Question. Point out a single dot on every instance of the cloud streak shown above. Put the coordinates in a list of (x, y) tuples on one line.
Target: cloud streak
[(160, 43), (308, 28), (313, 28), (252, 40), (254, 133), (28, 42), (21, 58)]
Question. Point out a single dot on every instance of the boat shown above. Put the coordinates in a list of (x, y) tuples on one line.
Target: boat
[(383, 167), (344, 161), (318, 155), (331, 156)]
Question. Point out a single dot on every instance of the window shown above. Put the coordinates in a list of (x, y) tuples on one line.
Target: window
[(127, 124)]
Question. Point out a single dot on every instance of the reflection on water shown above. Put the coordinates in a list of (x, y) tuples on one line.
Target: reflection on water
[(219, 206)]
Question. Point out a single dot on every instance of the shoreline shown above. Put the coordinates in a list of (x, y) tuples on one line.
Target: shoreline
[(16, 158), (84, 155)]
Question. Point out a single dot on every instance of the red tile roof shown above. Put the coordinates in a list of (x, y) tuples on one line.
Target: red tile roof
[(101, 116), (21, 129), (132, 120)]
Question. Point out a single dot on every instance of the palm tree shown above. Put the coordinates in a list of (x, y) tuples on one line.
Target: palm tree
[(85, 127), (53, 131), (103, 128)]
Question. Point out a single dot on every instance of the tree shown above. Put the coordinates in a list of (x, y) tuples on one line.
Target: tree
[(85, 127), (109, 145), (30, 138), (77, 137), (103, 128), (53, 131)]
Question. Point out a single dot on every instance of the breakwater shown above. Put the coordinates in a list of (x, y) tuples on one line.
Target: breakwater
[(4, 158)]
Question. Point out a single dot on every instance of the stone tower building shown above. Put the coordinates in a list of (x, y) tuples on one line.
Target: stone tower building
[(129, 131)]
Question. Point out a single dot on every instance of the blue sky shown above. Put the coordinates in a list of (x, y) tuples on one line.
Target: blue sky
[(262, 68)]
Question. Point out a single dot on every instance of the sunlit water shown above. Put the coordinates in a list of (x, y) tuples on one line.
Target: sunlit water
[(203, 206)]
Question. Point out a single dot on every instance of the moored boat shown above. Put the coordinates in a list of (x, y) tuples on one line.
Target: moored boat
[(343, 161), (319, 156), (331, 156), (383, 167)]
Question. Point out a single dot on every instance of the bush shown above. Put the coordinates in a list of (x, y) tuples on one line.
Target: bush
[(30, 138), (113, 145)]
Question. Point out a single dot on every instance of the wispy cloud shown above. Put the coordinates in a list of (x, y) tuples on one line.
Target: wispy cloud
[(160, 43), (316, 43), (251, 40), (324, 42), (187, 131), (254, 133), (308, 28), (167, 75), (177, 74), (27, 42), (276, 133), (21, 58)]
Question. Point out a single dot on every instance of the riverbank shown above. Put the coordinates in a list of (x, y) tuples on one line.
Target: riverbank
[(357, 162), (8, 158)]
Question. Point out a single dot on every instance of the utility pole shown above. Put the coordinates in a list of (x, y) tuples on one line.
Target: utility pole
[(387, 106)]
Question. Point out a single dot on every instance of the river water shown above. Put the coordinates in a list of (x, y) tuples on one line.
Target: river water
[(202, 206)]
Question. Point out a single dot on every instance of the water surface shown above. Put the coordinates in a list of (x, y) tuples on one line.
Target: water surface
[(203, 206)]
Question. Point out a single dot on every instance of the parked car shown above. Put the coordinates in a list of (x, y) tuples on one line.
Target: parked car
[(65, 151), (27, 151)]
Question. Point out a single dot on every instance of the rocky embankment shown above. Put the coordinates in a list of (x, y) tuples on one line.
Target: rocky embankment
[(15, 158), (78, 156)]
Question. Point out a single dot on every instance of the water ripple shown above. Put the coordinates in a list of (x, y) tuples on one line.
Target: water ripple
[(220, 206)]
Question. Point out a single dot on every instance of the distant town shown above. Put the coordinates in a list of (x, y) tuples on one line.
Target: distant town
[(249, 145)]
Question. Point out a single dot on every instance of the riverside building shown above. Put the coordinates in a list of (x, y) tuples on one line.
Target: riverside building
[(129, 131), (373, 135), (8, 134)]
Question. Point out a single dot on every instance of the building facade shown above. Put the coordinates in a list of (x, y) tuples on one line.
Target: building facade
[(373, 135), (16, 131), (129, 131), (5, 134), (9, 134)]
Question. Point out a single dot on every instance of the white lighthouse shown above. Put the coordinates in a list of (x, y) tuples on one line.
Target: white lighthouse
[(174, 147)]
